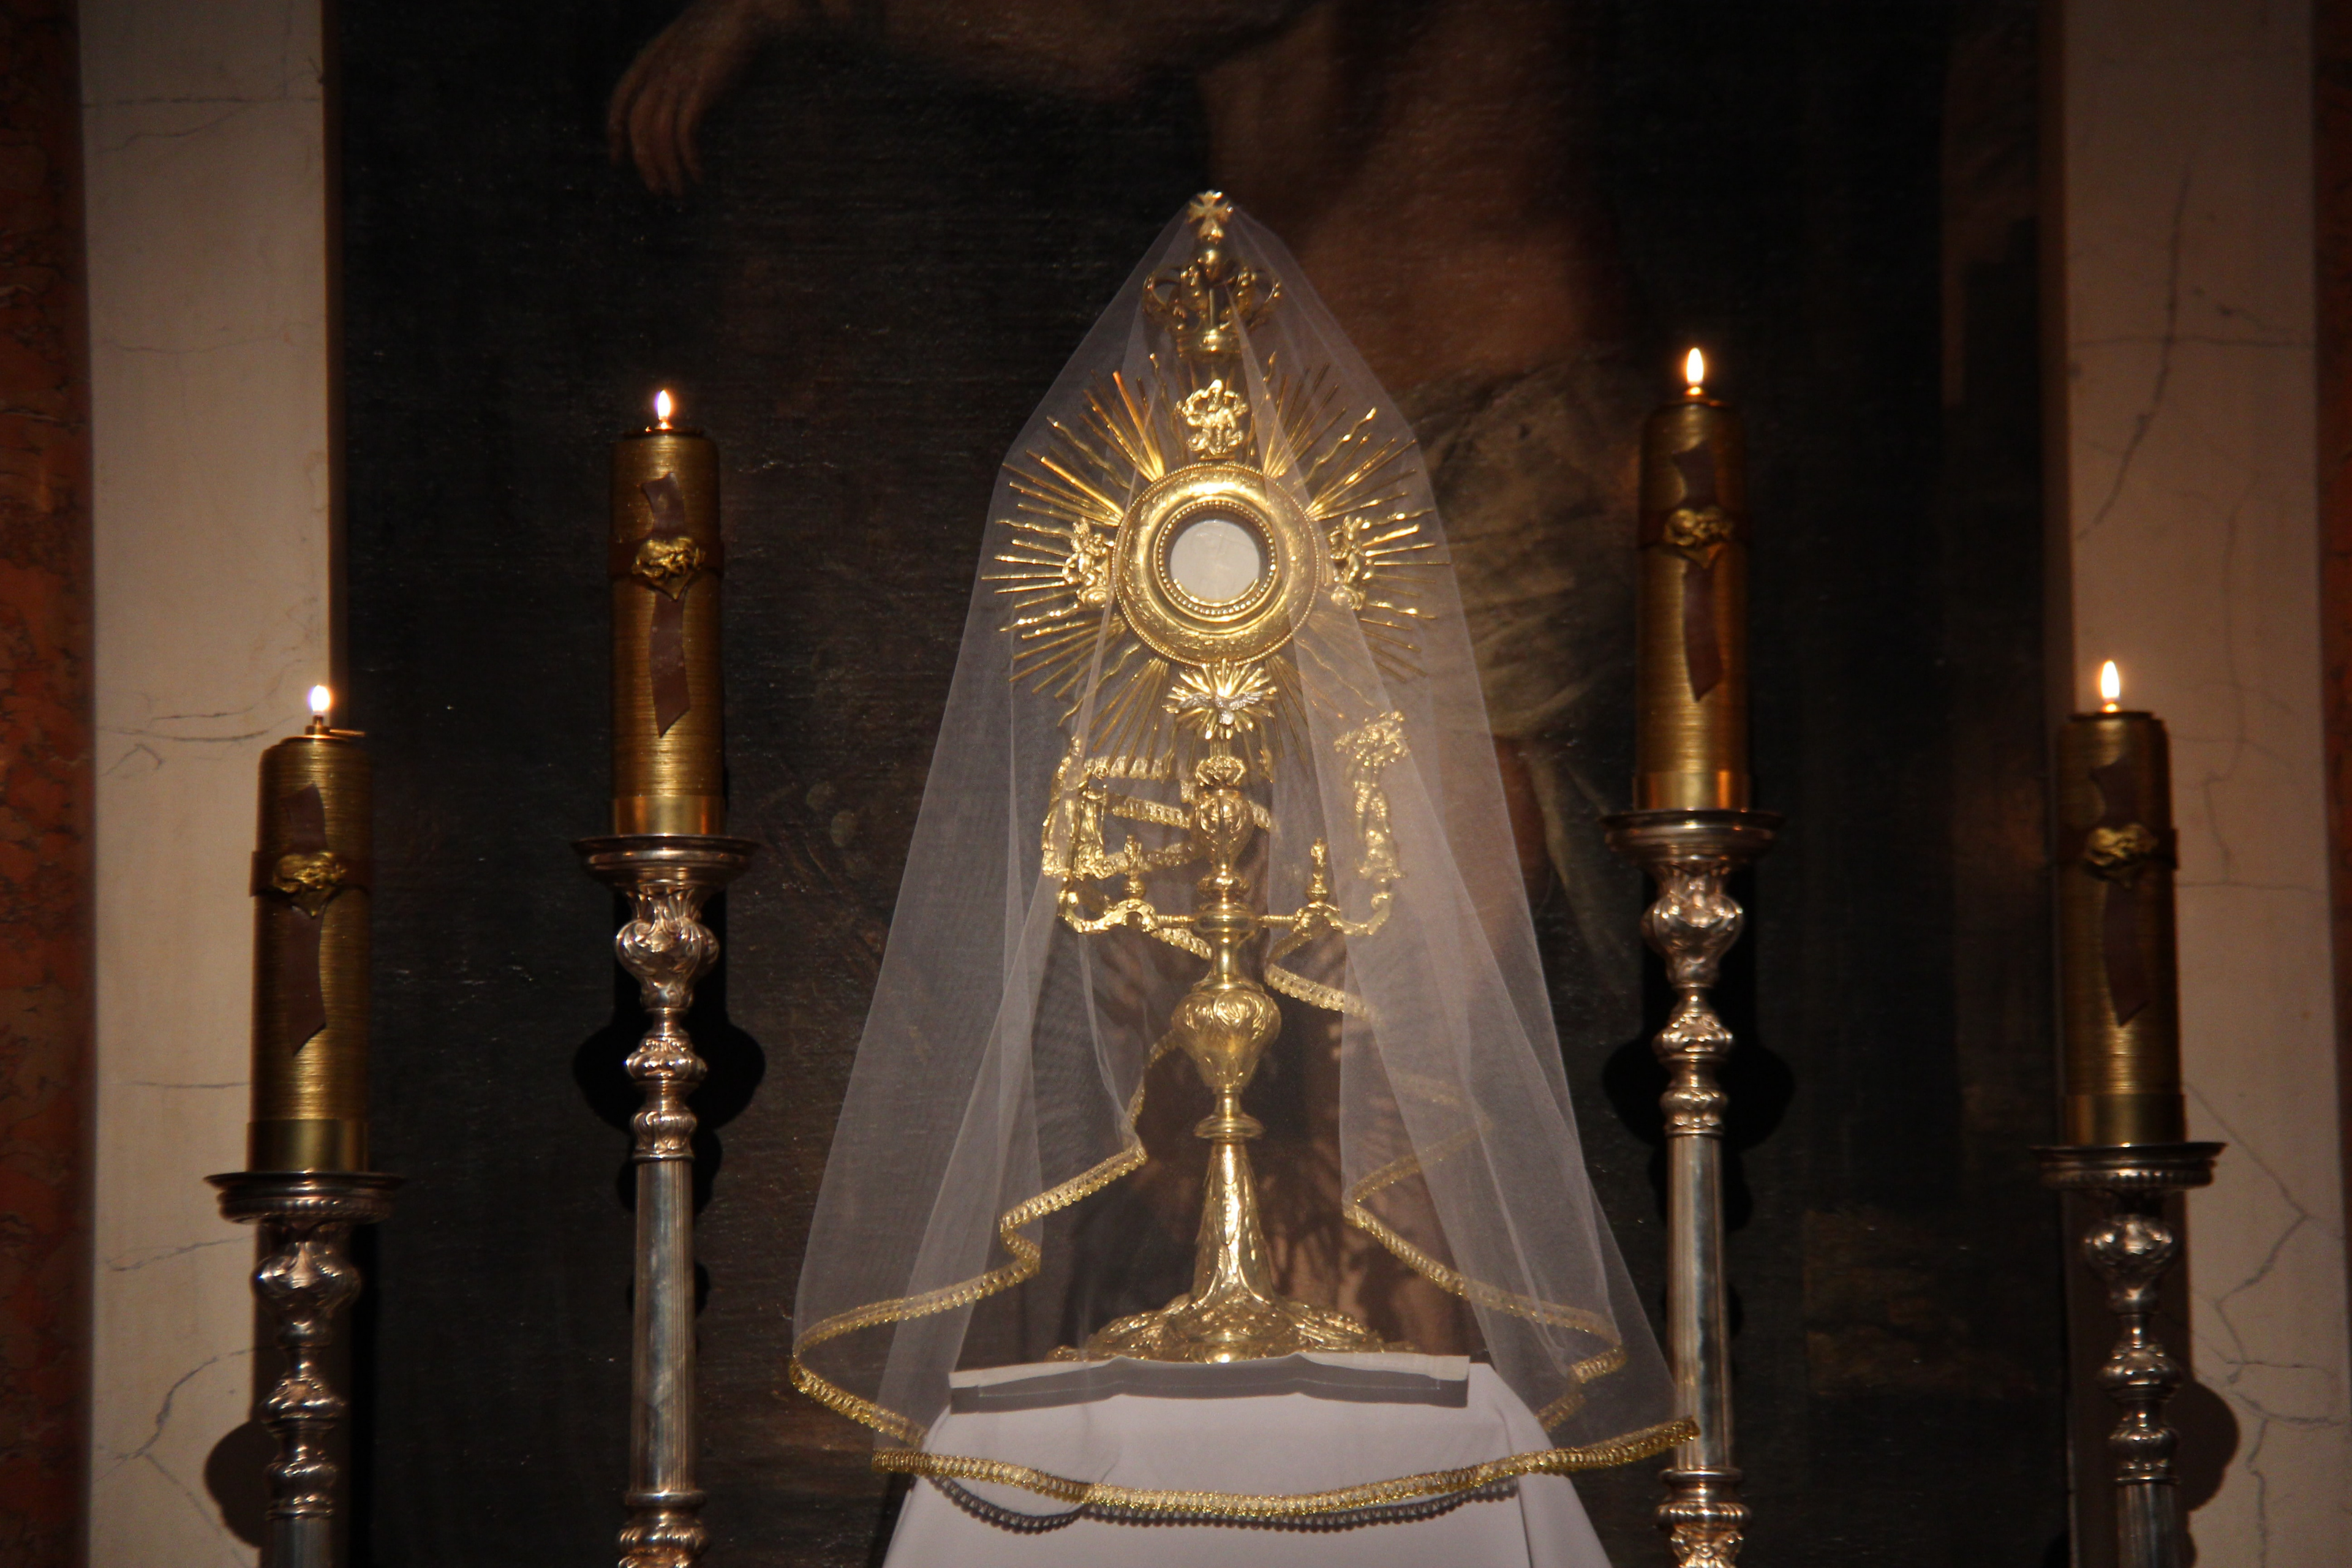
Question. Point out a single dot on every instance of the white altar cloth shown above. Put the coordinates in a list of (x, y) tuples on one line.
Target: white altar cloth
[(1297, 1425)]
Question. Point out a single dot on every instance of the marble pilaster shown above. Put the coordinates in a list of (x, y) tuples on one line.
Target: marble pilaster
[(2191, 511), (205, 135), (45, 794)]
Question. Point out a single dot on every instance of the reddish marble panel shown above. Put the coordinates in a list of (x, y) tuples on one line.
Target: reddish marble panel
[(45, 793), (2331, 170)]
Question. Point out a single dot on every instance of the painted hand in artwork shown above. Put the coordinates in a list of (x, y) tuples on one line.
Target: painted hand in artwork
[(688, 68), (1081, 48)]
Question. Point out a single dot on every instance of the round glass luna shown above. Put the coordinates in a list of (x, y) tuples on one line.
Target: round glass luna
[(1216, 560)]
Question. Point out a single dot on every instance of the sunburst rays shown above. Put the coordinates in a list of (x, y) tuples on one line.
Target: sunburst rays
[(1359, 486), (1054, 563)]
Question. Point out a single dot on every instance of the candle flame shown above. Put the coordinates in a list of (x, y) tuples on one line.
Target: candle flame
[(662, 405), (1694, 371), (321, 700), (2111, 688)]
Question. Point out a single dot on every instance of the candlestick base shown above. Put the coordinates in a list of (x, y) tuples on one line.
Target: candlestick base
[(667, 877), (1690, 854), (304, 1279), (2131, 1245)]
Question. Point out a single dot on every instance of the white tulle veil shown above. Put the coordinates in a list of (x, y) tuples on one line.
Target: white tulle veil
[(1015, 1165)]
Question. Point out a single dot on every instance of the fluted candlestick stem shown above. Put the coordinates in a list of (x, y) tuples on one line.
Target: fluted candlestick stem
[(666, 948), (303, 1280), (2131, 1245), (1693, 923)]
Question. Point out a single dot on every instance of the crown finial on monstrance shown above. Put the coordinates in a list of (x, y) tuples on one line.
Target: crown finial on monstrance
[(1205, 304)]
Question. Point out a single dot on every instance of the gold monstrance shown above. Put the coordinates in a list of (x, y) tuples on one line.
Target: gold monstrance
[(1165, 623)]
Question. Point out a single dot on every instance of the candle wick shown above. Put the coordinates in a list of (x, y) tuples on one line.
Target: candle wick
[(2111, 707)]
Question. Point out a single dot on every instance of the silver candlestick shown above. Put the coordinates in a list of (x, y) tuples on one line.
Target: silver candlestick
[(2131, 1245), (666, 948), (304, 1279), (1689, 854)]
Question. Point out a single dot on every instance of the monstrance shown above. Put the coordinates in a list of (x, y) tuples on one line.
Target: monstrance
[(1214, 742), (1165, 624)]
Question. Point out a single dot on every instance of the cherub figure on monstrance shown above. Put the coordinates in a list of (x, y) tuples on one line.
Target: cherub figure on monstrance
[(1215, 740)]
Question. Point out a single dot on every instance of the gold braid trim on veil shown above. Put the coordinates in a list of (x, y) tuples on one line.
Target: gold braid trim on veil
[(1250, 1506), (1314, 993), (1352, 1205), (1027, 1257), (1479, 1293), (1530, 1307)]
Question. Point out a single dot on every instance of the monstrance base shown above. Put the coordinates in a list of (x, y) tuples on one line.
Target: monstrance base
[(1231, 1327)]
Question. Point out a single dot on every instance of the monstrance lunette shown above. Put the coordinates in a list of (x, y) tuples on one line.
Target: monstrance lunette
[(1163, 556)]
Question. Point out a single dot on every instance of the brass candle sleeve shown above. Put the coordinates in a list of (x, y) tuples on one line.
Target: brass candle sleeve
[(665, 565), (311, 940), (2119, 978), (1691, 696)]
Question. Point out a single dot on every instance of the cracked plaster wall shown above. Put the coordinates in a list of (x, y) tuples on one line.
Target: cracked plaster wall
[(2190, 466), (207, 190)]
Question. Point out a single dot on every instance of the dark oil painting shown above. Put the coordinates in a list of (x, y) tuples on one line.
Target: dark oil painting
[(858, 239)]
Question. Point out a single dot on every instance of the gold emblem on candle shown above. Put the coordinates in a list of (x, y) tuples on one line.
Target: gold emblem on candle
[(667, 564), (1695, 530), (2120, 854), (309, 879)]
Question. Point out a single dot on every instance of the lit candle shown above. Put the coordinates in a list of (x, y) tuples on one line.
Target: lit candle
[(665, 563), (311, 877), (2117, 965), (1691, 679)]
